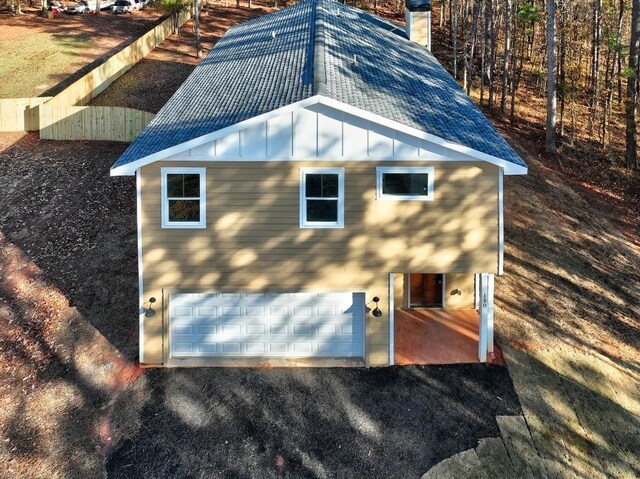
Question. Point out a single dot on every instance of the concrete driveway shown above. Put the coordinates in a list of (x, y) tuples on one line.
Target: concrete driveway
[(312, 423)]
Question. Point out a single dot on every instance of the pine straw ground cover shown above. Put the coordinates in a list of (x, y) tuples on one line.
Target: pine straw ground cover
[(151, 82), (67, 307)]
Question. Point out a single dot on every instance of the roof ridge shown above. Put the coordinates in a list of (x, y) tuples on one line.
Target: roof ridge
[(319, 70)]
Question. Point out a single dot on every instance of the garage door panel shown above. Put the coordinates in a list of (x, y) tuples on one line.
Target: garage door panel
[(267, 324)]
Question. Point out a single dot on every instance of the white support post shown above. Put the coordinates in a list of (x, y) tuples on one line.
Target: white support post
[(485, 333), (490, 288)]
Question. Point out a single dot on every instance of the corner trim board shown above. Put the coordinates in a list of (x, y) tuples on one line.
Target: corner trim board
[(391, 320), (140, 275), (500, 221)]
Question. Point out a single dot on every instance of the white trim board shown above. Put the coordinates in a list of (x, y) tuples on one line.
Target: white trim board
[(177, 150), (304, 222), (202, 199), (392, 320), (500, 221), (141, 316)]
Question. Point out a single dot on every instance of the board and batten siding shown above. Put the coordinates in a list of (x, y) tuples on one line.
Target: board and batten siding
[(253, 242), (319, 131)]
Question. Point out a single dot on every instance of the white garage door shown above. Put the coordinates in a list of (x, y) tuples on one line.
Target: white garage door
[(267, 324)]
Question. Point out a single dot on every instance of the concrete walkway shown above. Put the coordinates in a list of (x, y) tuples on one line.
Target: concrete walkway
[(512, 455), (581, 420)]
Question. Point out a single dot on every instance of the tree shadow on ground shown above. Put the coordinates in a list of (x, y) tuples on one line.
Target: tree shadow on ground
[(78, 226), (340, 422), (582, 410)]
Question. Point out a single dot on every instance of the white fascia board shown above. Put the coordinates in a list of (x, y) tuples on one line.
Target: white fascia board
[(509, 168), (130, 168)]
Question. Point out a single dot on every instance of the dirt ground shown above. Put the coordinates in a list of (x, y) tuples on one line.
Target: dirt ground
[(37, 53), (312, 423), (67, 306)]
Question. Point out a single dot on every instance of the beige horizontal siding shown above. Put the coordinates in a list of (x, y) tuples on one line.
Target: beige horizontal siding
[(253, 241)]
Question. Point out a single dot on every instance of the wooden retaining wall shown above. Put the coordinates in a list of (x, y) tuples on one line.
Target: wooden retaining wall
[(107, 123), (20, 114), (97, 80)]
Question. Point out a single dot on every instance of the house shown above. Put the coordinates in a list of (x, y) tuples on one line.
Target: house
[(318, 170)]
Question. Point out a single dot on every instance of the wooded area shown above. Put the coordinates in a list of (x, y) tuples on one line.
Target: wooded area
[(581, 55), (579, 58), (568, 67)]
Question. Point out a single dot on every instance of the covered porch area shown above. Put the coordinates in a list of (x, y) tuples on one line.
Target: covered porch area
[(438, 336), (443, 319)]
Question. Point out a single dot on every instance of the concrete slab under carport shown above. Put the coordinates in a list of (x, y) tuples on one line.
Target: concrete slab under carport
[(438, 336)]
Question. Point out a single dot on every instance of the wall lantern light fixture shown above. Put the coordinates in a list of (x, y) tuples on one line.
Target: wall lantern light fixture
[(149, 312), (376, 311)]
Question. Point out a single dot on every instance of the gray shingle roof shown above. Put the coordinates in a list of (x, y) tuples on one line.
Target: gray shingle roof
[(309, 49)]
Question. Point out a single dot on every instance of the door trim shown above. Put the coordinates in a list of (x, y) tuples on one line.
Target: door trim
[(407, 285)]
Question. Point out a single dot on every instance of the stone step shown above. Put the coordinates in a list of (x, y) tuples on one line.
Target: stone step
[(494, 458), (520, 447), (465, 464)]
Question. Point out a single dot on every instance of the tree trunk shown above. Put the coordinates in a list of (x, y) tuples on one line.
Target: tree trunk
[(483, 50), (506, 56), (550, 143), (595, 64), (618, 57), (454, 39), (474, 34), (196, 24), (632, 88), (562, 66), (492, 51), (517, 63)]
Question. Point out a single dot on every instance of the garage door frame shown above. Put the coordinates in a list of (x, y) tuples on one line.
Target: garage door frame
[(229, 360)]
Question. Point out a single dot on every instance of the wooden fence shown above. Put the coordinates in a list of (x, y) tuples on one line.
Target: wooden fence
[(59, 117), (110, 123), (97, 80), (20, 114)]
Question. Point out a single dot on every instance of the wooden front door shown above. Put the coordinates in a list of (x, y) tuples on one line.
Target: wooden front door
[(425, 290)]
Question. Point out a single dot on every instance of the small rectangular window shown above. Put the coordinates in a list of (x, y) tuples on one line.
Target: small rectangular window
[(405, 183), (322, 197), (183, 197)]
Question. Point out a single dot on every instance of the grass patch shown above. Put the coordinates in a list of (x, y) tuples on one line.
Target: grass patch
[(32, 63)]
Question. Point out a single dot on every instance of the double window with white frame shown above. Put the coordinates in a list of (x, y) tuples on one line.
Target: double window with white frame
[(184, 203), (321, 197), (404, 183)]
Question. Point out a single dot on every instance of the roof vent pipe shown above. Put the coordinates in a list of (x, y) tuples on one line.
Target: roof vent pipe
[(418, 21)]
